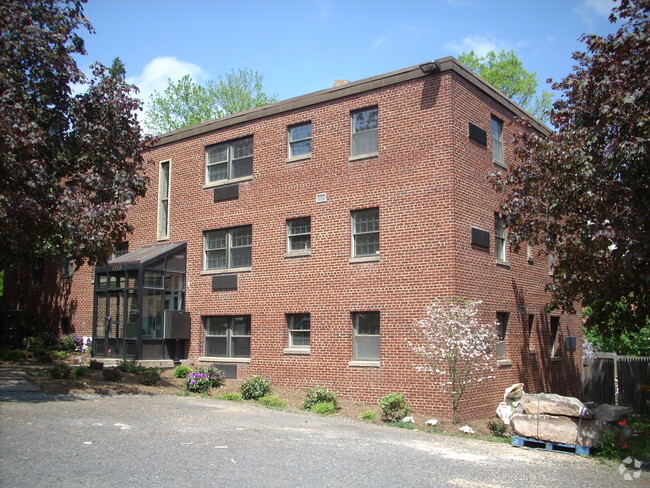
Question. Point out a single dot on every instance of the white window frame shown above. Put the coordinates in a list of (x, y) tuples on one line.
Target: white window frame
[(295, 142), (164, 187), (502, 331), (294, 236), (358, 235), (554, 331), (229, 336), (294, 332), (496, 126), (230, 161), (500, 239), (366, 337), (228, 248), (357, 134)]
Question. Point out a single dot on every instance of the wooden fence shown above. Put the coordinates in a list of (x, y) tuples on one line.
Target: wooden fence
[(617, 380)]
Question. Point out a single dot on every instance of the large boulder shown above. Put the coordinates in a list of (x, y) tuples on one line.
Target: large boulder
[(513, 393), (562, 430), (552, 404), (610, 413)]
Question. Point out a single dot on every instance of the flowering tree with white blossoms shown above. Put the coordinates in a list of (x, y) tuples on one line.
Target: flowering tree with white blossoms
[(457, 349)]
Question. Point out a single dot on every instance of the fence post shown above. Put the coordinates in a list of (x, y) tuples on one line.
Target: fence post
[(616, 390)]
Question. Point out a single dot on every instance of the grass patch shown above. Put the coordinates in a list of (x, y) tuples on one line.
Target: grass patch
[(369, 415), (272, 401), (403, 425)]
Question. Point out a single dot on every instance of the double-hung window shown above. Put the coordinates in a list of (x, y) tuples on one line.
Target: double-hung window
[(163, 201), (228, 336), (500, 238), (555, 327), (228, 248), (502, 327), (299, 325), (497, 141), (299, 234), (364, 139), (366, 336), (300, 140), (229, 160), (365, 232)]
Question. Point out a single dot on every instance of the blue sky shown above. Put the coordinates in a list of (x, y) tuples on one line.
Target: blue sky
[(301, 46)]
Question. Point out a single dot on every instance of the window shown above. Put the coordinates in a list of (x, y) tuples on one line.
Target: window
[(364, 132), (38, 265), (163, 201), (530, 253), (228, 336), (497, 141), (366, 336), (66, 268), (300, 140), (500, 238), (299, 325), (299, 234), (555, 327), (502, 326), (228, 248), (365, 232), (229, 160), (120, 250)]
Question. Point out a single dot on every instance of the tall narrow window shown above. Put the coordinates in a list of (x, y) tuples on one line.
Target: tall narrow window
[(299, 325), (120, 250), (502, 327), (365, 232), (163, 201), (366, 336), (555, 327), (364, 132), (299, 234), (497, 141), (500, 238), (229, 160), (300, 140), (228, 248), (228, 336)]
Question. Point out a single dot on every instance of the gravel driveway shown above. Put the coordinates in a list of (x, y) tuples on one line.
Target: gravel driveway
[(166, 441)]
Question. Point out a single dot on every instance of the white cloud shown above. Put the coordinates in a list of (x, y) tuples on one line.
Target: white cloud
[(157, 73), (481, 45), (590, 9), (378, 42)]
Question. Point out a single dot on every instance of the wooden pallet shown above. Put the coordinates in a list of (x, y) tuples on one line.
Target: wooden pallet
[(518, 441)]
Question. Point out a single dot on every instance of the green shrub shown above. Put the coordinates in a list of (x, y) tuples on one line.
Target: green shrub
[(59, 355), (127, 366), (43, 356), (608, 447), (79, 371), (111, 374), (272, 401), (68, 343), (497, 427), (12, 355), (181, 371), (96, 365), (39, 342), (255, 387), (197, 382), (319, 395), (369, 415), (394, 407), (326, 408), (150, 376), (233, 396), (60, 371)]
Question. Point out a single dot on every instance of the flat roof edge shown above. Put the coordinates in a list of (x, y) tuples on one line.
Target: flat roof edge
[(446, 64)]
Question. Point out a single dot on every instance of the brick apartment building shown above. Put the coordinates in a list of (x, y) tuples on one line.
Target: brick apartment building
[(302, 239)]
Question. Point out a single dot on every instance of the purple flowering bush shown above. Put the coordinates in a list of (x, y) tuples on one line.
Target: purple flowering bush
[(196, 382)]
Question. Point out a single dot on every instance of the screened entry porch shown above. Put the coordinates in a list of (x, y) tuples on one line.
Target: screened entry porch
[(139, 305)]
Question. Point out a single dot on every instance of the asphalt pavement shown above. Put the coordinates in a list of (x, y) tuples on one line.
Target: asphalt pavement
[(173, 441)]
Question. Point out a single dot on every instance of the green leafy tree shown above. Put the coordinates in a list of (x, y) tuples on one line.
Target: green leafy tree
[(505, 71), (184, 102), (70, 162), (607, 336), (582, 194)]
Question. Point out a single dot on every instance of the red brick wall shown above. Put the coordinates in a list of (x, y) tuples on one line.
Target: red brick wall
[(429, 183)]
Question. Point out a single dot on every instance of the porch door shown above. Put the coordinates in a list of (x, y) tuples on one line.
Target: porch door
[(110, 322)]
